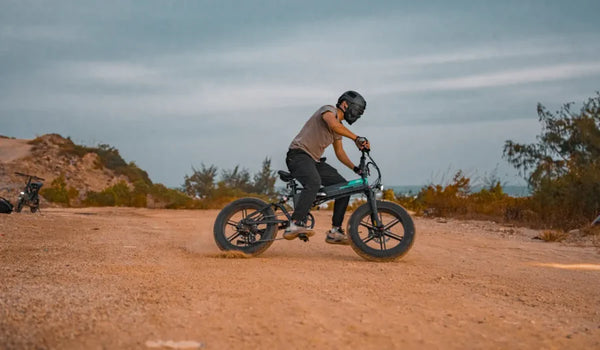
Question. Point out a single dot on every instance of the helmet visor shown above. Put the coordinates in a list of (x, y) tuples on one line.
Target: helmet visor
[(353, 112), (356, 110)]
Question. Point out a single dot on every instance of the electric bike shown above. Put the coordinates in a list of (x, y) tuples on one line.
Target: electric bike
[(378, 230), (29, 196)]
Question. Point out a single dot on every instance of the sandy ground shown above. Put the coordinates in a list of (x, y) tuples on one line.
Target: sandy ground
[(137, 278), (12, 149)]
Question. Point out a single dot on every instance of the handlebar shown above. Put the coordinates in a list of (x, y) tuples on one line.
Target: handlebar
[(30, 176)]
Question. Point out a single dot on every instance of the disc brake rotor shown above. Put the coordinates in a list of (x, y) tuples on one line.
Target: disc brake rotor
[(249, 232)]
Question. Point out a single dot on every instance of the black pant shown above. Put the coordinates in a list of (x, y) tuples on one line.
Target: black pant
[(312, 175)]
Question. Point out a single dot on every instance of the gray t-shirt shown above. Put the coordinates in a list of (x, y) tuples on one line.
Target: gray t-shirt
[(316, 135)]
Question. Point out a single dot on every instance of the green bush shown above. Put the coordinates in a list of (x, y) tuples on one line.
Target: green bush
[(173, 199), (99, 199), (117, 195), (58, 192)]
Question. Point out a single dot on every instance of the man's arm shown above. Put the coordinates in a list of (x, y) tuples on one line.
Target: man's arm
[(341, 154), (336, 126)]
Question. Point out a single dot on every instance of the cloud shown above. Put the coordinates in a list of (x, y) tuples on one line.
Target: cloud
[(109, 72), (520, 76), (299, 66), (502, 78), (40, 33)]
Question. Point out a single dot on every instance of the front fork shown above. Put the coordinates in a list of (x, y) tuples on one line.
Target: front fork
[(374, 214)]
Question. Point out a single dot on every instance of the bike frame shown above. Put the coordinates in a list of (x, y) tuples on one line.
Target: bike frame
[(358, 186)]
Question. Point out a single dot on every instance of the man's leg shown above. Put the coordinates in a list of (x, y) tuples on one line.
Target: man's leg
[(303, 168), (330, 176)]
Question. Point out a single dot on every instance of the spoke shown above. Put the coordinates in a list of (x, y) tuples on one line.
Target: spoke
[(391, 224), (232, 223), (244, 213), (393, 235), (382, 243), (367, 225), (369, 238), (234, 236)]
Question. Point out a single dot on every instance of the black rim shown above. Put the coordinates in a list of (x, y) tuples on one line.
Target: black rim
[(239, 233), (385, 238)]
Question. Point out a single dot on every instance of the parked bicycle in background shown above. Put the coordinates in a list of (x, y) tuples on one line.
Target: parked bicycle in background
[(30, 194)]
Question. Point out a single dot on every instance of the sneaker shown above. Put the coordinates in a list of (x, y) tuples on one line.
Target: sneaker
[(295, 230), (337, 236)]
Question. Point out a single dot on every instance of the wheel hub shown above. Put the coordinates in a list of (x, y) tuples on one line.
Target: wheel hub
[(378, 235)]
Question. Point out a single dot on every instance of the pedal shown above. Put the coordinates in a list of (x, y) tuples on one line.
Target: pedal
[(303, 237)]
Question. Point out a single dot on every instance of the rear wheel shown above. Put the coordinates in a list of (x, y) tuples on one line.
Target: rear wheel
[(19, 205), (241, 226), (386, 243)]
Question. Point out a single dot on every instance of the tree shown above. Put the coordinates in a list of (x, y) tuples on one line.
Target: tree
[(232, 183), (563, 166), (202, 182), (264, 181), (236, 179)]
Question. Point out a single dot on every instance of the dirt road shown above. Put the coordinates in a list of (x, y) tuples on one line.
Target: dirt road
[(136, 278)]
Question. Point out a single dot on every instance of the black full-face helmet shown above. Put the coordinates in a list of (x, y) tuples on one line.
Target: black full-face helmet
[(356, 105)]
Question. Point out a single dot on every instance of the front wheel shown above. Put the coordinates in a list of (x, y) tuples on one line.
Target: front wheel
[(35, 205), (247, 225), (386, 243)]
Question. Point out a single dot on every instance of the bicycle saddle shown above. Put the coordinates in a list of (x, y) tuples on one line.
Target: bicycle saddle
[(285, 176)]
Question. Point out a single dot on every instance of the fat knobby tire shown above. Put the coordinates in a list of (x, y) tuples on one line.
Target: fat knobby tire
[(251, 204), (373, 254)]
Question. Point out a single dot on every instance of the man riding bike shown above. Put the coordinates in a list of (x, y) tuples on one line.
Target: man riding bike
[(305, 163)]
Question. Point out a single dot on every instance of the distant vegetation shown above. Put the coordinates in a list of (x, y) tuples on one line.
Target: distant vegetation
[(201, 190), (562, 169), (59, 193), (139, 192), (109, 158), (456, 200), (236, 183)]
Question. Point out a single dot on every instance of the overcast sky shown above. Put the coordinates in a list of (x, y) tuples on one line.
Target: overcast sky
[(173, 84)]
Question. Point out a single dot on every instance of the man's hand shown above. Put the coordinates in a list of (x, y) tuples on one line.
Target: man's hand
[(358, 170), (362, 143)]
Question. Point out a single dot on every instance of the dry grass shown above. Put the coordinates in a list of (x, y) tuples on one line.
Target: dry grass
[(594, 232), (553, 236), (591, 231)]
